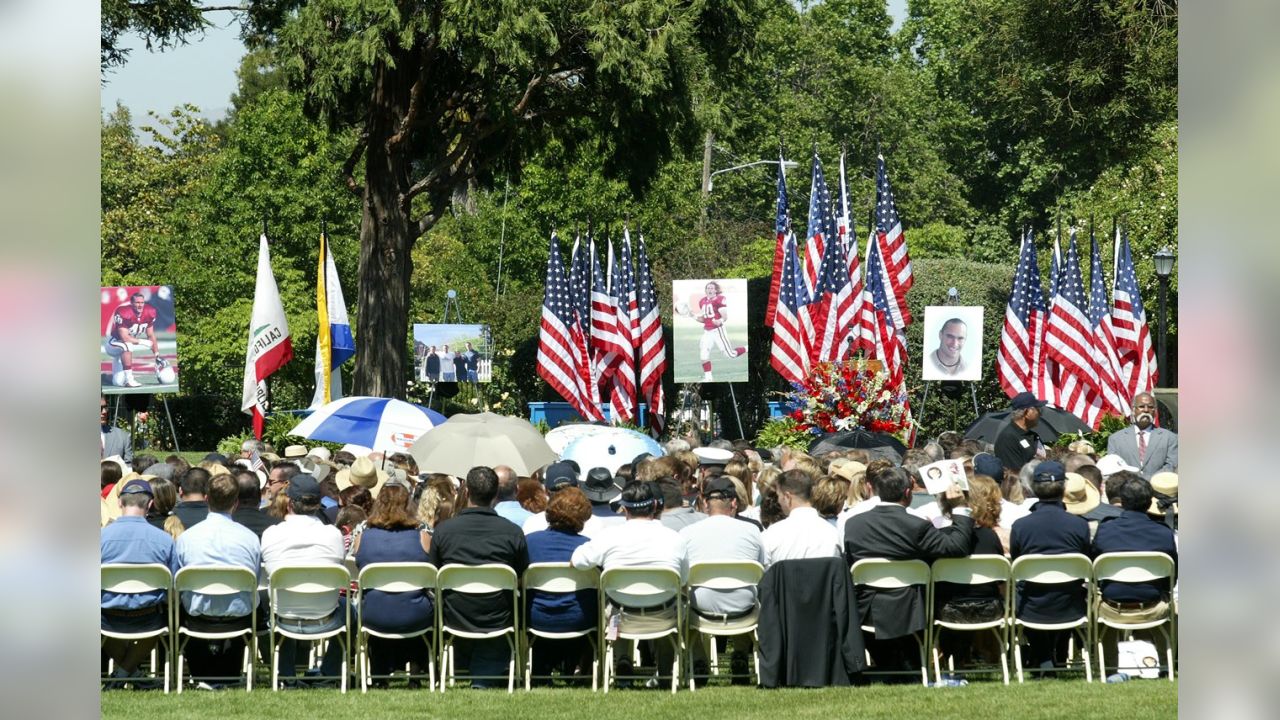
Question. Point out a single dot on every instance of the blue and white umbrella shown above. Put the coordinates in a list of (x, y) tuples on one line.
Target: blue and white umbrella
[(610, 449), (379, 423)]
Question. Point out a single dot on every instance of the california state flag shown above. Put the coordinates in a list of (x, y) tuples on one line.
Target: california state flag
[(269, 343)]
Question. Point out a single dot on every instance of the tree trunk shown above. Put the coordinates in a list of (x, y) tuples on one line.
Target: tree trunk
[(385, 241)]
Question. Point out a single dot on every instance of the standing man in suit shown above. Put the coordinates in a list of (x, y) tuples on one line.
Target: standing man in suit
[(115, 441), (1149, 448), (889, 531)]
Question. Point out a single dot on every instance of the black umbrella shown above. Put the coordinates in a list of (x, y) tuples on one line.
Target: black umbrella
[(877, 445), (1053, 422)]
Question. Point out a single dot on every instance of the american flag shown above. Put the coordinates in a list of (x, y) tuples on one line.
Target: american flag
[(1069, 338), (855, 337), (788, 353), (653, 348), (622, 286), (1020, 364), (896, 267), (1129, 320), (837, 306), (782, 232), (887, 343), (822, 226), (562, 348), (1114, 395), (606, 349)]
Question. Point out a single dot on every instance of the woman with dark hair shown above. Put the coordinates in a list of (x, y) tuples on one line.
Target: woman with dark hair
[(392, 534), (567, 512)]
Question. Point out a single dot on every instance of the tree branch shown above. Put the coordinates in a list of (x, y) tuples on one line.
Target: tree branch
[(349, 167)]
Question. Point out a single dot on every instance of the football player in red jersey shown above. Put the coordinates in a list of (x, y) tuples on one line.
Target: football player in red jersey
[(711, 311), (129, 323)]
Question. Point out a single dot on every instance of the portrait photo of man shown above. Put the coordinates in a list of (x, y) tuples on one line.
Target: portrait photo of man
[(953, 343)]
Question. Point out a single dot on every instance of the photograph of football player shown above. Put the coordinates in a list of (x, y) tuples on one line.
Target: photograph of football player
[(957, 352), (139, 340), (718, 307)]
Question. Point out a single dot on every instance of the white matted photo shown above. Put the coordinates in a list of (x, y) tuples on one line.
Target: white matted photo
[(709, 330), (952, 342)]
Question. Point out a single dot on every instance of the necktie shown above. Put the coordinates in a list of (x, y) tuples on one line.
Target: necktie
[(1142, 446)]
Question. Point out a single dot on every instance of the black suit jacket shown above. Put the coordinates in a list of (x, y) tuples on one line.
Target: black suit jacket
[(890, 532), (808, 630), (254, 519)]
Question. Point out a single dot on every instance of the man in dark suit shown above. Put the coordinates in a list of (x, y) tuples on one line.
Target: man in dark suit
[(1134, 531), (1150, 449), (889, 531), (1049, 530), (115, 441), (247, 512)]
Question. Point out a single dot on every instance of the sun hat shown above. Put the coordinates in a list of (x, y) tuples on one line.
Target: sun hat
[(364, 474), (600, 486), (295, 451), (1080, 496), (1164, 493)]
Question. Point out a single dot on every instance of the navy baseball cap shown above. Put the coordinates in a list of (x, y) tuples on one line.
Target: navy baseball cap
[(1049, 471), (1024, 400), (137, 486), (559, 475), (720, 487), (989, 465), (303, 487)]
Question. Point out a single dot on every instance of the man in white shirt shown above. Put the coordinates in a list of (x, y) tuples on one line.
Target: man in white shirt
[(1142, 445), (640, 541), (302, 539), (803, 534)]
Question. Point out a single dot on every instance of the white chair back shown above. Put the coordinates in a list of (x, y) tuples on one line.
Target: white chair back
[(216, 580), (889, 574), (725, 575), (654, 583), (472, 579), (972, 570), (398, 577), (128, 579), (1133, 567), (1052, 569), (560, 577)]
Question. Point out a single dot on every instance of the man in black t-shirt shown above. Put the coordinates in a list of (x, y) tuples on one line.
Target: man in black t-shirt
[(1017, 444)]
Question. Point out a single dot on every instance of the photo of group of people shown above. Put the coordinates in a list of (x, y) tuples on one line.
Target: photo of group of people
[(452, 353), (139, 350)]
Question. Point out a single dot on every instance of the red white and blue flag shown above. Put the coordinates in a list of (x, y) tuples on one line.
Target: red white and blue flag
[(563, 359), (887, 342), (652, 346), (1020, 361), (788, 353), (1115, 398), (1069, 338), (1129, 322), (896, 275), (622, 287), (782, 235)]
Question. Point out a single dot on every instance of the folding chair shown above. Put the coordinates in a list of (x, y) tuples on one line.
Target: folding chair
[(301, 580), (558, 577), (216, 580), (475, 580), (884, 574), (972, 570), (1053, 570), (1133, 567), (660, 584), (125, 578), (393, 577), (727, 575)]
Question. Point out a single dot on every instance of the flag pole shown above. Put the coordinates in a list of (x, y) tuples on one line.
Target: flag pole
[(266, 381)]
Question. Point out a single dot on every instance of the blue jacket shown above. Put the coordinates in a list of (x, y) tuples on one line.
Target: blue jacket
[(1049, 530), (1134, 532)]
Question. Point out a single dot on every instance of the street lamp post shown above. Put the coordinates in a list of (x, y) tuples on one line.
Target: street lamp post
[(708, 179), (1164, 268)]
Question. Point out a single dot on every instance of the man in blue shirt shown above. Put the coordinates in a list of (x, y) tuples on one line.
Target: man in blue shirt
[(218, 540), (508, 507), (131, 539)]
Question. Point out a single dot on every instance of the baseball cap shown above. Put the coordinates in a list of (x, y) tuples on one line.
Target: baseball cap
[(1024, 400), (559, 475), (1111, 464), (989, 465), (303, 487), (136, 485), (1049, 471), (720, 487)]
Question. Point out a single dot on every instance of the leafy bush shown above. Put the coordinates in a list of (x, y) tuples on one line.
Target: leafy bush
[(783, 432)]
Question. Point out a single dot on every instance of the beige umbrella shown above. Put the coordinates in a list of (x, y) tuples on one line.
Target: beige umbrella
[(465, 441)]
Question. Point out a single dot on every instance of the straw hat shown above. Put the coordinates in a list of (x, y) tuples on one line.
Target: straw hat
[(1163, 483), (295, 451), (850, 470), (362, 473), (314, 468), (320, 452), (1080, 496)]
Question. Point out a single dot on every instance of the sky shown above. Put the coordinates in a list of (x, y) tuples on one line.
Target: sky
[(203, 72)]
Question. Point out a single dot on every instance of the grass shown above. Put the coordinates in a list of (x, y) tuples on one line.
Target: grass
[(1049, 699)]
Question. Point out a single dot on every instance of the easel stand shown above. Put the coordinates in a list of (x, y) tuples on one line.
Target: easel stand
[(736, 414), (133, 420), (924, 400)]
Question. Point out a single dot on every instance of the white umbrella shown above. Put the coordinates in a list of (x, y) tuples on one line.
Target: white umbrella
[(466, 441), (560, 436), (379, 423), (610, 449)]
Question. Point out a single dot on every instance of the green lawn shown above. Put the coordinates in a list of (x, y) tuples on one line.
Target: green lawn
[(1049, 699)]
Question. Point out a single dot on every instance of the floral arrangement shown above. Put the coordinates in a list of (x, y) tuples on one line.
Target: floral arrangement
[(840, 396)]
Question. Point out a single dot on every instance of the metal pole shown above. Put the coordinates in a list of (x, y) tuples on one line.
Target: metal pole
[(973, 392), (169, 416), (924, 401), (734, 398), (1162, 380)]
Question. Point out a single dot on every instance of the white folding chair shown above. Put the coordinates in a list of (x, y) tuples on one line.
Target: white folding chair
[(394, 577), (130, 579), (560, 577), (883, 574), (217, 580), (1053, 570), (295, 582), (1133, 567), (972, 570), (474, 580), (725, 575), (659, 584)]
